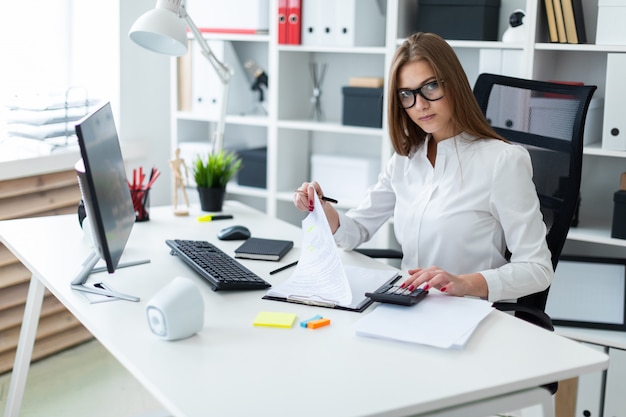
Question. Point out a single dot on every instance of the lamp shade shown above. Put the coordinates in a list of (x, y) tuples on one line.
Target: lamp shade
[(161, 30)]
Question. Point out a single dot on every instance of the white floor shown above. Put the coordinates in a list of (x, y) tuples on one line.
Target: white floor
[(83, 381)]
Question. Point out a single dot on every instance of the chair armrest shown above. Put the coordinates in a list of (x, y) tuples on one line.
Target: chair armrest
[(380, 253), (529, 314)]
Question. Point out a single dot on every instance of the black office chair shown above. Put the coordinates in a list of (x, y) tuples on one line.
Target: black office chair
[(548, 119)]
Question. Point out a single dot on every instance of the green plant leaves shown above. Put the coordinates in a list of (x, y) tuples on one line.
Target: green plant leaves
[(216, 169)]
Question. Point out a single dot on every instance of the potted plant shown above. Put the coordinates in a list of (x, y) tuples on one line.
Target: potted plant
[(212, 173)]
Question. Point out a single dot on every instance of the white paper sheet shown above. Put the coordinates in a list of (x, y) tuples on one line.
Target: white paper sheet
[(439, 320), (320, 275)]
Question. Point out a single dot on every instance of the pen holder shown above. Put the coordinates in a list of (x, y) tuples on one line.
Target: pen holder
[(141, 204)]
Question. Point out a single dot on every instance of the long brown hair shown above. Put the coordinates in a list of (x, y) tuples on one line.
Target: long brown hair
[(466, 114)]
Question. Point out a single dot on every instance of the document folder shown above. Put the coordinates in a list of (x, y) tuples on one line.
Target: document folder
[(359, 285)]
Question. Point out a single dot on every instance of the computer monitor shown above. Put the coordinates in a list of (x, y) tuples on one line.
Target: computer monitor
[(106, 196)]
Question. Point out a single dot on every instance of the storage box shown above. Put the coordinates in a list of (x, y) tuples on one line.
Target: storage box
[(233, 16), (362, 106), (343, 177), (459, 19), (618, 228), (611, 17), (253, 171)]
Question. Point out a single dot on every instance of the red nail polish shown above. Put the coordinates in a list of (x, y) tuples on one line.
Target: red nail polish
[(426, 287), (402, 285), (443, 289), (411, 288)]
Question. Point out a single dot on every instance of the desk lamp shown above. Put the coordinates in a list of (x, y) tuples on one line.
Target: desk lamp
[(163, 30)]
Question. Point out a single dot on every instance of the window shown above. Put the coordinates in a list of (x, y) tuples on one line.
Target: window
[(50, 46)]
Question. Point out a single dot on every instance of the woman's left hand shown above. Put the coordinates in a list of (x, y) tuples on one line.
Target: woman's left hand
[(459, 285), (435, 277)]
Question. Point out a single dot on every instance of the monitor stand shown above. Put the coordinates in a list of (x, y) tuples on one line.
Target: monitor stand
[(78, 283)]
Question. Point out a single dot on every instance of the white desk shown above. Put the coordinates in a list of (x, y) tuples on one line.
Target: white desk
[(232, 368)]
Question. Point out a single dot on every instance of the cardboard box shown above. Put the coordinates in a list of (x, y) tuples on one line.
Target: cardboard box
[(362, 106), (611, 17), (459, 19), (253, 171), (343, 177)]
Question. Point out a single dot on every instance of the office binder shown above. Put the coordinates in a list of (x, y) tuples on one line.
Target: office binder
[(614, 123), (554, 36), (353, 23), (282, 22), (579, 19), (574, 21), (357, 23), (311, 23), (568, 19), (294, 21), (207, 88), (560, 22)]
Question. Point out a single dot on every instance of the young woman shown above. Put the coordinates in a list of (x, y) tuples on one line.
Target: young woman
[(461, 196)]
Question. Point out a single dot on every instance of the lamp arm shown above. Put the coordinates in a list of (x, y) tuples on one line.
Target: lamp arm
[(224, 72)]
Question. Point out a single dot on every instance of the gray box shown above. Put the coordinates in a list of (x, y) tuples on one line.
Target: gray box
[(362, 106), (459, 19), (253, 171)]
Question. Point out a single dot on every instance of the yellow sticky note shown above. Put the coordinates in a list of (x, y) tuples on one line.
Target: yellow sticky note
[(274, 319)]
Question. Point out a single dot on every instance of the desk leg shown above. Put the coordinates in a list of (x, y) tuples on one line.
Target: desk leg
[(25, 345)]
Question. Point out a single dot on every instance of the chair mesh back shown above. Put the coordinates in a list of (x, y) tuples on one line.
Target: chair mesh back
[(548, 119)]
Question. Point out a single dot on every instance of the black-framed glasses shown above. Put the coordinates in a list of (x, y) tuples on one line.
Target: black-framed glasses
[(431, 91)]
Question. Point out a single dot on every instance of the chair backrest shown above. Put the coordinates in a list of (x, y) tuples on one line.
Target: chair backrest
[(547, 118)]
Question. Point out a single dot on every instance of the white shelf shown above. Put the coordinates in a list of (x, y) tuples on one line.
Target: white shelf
[(235, 37), (600, 235), (610, 338), (372, 50), (328, 127), (579, 48), (596, 150)]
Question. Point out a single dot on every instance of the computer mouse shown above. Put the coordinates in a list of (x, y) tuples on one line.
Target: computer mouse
[(236, 232)]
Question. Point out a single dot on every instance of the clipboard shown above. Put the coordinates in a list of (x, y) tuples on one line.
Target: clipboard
[(358, 293)]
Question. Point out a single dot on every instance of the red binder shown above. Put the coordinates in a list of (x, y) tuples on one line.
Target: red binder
[(282, 22), (294, 21)]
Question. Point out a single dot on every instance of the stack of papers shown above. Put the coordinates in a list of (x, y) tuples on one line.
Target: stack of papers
[(439, 320)]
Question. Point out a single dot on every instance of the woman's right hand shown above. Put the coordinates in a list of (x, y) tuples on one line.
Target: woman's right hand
[(304, 195), (303, 200)]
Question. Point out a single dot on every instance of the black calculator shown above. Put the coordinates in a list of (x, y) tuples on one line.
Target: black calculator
[(393, 294)]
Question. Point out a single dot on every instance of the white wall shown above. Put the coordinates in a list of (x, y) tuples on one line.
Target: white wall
[(145, 101)]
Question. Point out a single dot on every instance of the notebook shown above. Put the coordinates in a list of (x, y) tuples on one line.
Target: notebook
[(264, 249)]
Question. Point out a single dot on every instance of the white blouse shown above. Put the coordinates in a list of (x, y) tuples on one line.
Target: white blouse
[(461, 215)]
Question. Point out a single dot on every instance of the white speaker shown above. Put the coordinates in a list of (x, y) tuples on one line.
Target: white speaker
[(177, 311)]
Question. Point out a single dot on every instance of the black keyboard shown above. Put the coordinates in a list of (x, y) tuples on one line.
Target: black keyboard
[(220, 270)]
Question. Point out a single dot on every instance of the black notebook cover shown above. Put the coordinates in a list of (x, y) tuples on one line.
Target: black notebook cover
[(264, 249)]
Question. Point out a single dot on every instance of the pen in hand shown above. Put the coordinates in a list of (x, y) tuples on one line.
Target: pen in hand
[(324, 198)]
